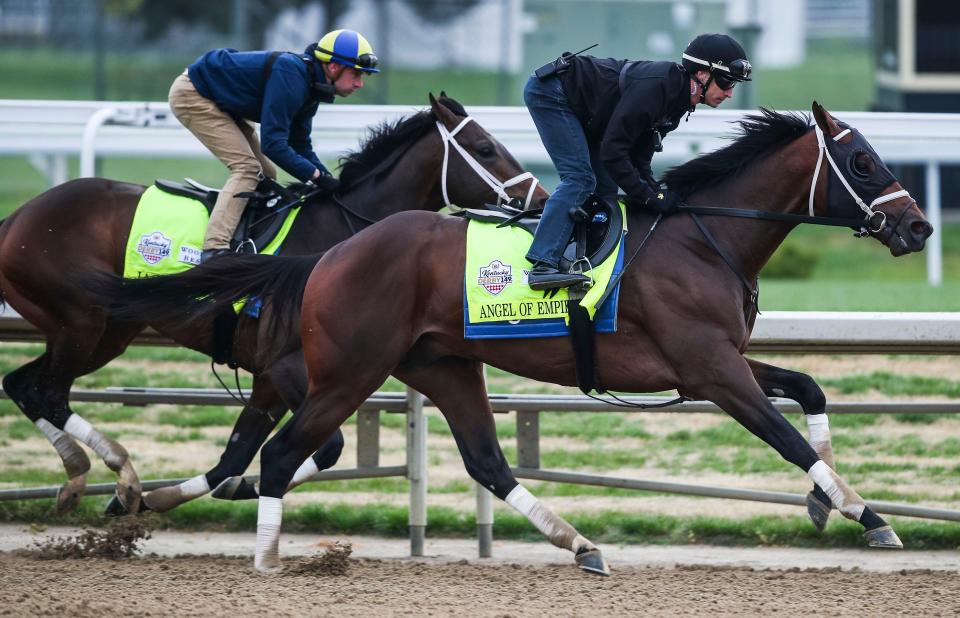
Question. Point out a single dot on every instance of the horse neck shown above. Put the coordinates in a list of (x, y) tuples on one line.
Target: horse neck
[(411, 184), (780, 183)]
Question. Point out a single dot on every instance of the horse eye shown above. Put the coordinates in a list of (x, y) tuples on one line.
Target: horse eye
[(485, 151), (863, 165)]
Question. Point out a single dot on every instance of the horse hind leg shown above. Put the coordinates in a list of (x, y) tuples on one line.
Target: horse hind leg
[(22, 388), (287, 378), (79, 348), (778, 382), (456, 386)]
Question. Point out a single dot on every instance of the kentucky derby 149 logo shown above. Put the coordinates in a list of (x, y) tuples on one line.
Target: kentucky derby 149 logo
[(153, 247), (495, 276)]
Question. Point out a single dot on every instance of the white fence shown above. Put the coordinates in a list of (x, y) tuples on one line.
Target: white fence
[(49, 131)]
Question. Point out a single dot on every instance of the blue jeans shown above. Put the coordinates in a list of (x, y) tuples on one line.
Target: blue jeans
[(578, 164)]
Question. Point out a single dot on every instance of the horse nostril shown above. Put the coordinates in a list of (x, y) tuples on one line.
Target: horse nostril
[(921, 230)]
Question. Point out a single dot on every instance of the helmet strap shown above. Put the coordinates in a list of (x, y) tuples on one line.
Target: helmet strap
[(703, 86)]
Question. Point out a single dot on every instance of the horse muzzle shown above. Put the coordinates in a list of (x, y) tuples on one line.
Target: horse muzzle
[(909, 236)]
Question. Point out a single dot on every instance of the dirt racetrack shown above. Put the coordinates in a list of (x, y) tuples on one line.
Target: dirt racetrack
[(227, 586)]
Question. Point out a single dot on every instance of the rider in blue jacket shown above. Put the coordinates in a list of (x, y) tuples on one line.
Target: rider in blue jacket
[(224, 91)]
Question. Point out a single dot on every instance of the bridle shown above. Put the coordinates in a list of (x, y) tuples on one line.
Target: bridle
[(448, 138), (865, 224), (869, 213)]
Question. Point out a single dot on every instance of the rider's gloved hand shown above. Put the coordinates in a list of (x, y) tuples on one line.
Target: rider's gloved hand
[(664, 201), (326, 182)]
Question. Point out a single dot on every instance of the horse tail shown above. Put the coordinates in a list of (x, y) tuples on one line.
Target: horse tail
[(207, 290)]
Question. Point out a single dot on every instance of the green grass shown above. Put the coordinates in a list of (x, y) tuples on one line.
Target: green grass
[(894, 385), (836, 74), (181, 436), (603, 526), (839, 75), (44, 74), (21, 429), (198, 416)]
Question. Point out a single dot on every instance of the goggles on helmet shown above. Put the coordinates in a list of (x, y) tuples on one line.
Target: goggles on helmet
[(737, 71), (726, 75), (363, 61)]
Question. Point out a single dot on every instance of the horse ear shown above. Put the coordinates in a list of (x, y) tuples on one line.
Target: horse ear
[(443, 94), (824, 120), (441, 113)]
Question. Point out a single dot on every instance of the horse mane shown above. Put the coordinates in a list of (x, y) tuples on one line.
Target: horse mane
[(386, 138), (758, 134)]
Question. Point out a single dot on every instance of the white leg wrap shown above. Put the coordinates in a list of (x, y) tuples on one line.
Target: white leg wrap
[(819, 429), (845, 499), (165, 498), (560, 533), (74, 459), (103, 446), (269, 518), (195, 487), (304, 473)]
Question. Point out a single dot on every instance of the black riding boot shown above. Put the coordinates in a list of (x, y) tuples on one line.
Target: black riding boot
[(546, 277)]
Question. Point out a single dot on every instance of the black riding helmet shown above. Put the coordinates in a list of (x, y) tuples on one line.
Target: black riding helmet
[(721, 55)]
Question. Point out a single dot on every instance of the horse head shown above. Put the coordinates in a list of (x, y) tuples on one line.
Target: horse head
[(860, 185), (480, 159)]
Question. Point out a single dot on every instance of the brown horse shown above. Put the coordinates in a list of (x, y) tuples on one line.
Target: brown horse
[(83, 225), (685, 316)]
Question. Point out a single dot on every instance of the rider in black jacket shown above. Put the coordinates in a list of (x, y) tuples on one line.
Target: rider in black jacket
[(601, 120)]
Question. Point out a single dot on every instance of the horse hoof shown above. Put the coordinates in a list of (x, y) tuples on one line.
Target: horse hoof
[(818, 512), (70, 494), (267, 566), (591, 561), (128, 488), (235, 488), (163, 499), (883, 537), (115, 507)]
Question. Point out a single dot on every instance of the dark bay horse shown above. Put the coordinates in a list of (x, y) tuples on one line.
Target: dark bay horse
[(685, 317), (82, 226)]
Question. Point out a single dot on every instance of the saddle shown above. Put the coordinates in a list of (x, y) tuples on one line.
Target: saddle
[(597, 230), (260, 222), (598, 226)]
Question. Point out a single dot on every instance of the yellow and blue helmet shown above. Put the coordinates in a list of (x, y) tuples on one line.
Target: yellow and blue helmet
[(349, 48)]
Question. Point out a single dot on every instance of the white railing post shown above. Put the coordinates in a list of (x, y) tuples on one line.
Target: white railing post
[(934, 248), (484, 521), (88, 154), (417, 470)]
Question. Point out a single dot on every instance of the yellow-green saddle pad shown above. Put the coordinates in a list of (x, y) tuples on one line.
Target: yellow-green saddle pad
[(167, 234), (498, 302)]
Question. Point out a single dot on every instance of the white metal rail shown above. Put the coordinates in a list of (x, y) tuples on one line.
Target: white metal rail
[(775, 331)]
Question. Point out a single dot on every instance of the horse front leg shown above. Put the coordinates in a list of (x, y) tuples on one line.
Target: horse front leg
[(778, 382), (732, 386), (456, 386)]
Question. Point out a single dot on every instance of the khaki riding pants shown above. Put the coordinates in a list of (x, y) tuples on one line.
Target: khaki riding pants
[(232, 141)]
